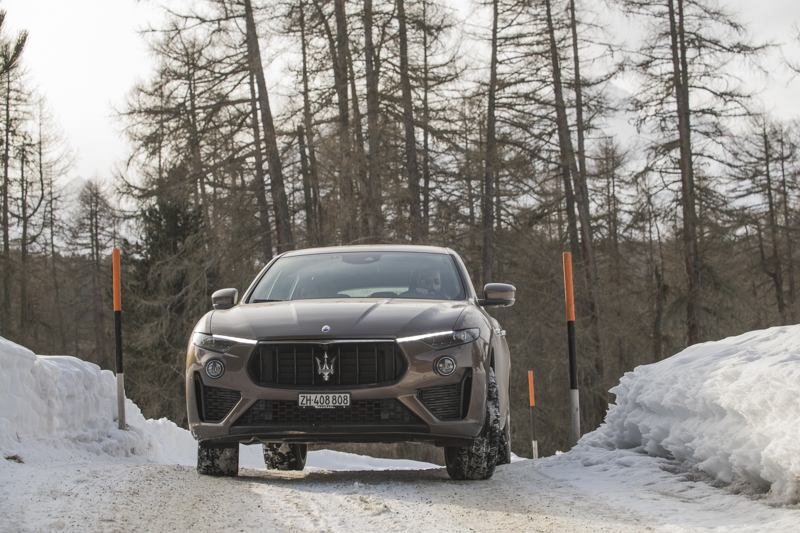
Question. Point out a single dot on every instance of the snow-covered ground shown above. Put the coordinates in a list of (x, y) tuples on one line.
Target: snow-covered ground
[(705, 440)]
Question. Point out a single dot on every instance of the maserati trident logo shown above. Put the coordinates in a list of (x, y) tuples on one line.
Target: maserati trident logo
[(325, 369), (326, 329)]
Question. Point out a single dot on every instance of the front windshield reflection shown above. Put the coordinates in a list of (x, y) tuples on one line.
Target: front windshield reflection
[(361, 275)]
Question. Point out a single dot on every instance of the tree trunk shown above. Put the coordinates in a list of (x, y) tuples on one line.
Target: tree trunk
[(774, 269), (340, 54), (426, 119), (51, 220), (27, 213), (24, 218), (260, 186), (360, 157), (582, 202), (374, 215), (197, 172), (5, 323), (97, 287), (308, 202), (787, 234), (307, 120), (491, 159), (412, 169), (284, 222), (680, 82), (339, 58)]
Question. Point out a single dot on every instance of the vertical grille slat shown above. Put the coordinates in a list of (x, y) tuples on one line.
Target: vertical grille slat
[(376, 365), (356, 363)]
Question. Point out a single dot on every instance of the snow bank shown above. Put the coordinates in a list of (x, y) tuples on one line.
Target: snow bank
[(731, 408), (60, 405)]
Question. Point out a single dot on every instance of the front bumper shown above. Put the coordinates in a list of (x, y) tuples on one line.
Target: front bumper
[(233, 408)]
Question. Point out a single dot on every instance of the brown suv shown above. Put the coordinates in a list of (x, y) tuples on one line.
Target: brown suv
[(352, 344)]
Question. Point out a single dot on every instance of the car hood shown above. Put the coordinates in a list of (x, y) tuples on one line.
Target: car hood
[(352, 318)]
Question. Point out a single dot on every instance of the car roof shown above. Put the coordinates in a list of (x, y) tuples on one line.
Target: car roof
[(371, 248)]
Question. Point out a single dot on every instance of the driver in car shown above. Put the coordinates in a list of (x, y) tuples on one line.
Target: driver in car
[(428, 283)]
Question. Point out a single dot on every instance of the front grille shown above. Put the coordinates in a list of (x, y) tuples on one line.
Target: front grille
[(214, 403), (367, 412), (352, 364), (448, 402)]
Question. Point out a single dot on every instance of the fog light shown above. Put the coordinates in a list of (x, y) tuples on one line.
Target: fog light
[(215, 369), (445, 366)]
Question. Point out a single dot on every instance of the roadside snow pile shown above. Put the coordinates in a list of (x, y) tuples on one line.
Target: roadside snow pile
[(51, 405), (730, 408)]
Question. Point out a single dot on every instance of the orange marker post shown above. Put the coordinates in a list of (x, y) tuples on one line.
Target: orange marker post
[(118, 338), (534, 441), (575, 409)]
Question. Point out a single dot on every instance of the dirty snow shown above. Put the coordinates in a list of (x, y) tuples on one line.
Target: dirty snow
[(705, 440)]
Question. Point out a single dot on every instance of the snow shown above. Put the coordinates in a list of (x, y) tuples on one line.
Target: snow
[(729, 408), (704, 440)]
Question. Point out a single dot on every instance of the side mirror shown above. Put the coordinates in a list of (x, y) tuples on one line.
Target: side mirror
[(498, 295), (224, 298)]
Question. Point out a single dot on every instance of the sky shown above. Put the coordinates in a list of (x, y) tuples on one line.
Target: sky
[(85, 56)]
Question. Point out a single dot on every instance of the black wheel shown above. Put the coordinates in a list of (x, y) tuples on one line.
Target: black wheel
[(504, 446), (285, 456), (216, 461), (478, 461)]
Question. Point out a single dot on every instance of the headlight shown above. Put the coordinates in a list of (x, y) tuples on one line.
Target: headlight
[(218, 343), (445, 339)]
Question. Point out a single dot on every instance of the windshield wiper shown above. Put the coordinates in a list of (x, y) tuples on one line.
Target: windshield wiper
[(262, 301)]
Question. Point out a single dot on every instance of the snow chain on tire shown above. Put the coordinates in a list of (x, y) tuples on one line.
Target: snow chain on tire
[(285, 456), (504, 447), (218, 461), (479, 460)]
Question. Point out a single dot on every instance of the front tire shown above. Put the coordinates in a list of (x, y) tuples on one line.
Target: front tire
[(478, 460), (216, 461), (285, 456)]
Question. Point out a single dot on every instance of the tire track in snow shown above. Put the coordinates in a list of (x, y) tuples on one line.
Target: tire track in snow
[(109, 497), (516, 499)]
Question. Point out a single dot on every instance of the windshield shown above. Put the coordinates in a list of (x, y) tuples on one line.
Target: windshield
[(361, 275)]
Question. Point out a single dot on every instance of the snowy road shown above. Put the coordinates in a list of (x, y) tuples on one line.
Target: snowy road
[(108, 497), (703, 441)]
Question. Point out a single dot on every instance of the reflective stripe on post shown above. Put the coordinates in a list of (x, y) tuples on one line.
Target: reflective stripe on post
[(118, 338)]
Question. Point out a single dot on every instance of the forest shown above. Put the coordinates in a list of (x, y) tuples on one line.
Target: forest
[(624, 132)]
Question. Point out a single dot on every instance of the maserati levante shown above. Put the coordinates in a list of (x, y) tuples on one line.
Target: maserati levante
[(352, 344)]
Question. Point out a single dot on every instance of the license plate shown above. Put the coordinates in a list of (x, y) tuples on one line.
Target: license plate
[(324, 400)]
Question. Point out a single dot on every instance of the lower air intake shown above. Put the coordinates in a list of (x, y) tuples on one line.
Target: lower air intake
[(448, 402), (214, 403)]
